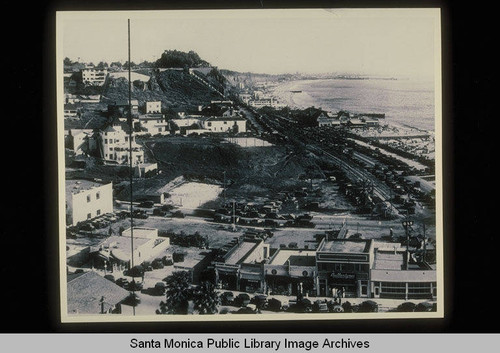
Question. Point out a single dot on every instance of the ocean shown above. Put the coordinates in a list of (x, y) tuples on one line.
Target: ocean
[(406, 102)]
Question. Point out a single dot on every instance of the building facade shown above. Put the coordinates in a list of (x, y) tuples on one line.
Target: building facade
[(115, 146), (87, 199), (94, 77)]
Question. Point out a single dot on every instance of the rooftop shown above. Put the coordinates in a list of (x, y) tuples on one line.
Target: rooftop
[(345, 246), (240, 251), (296, 257), (85, 293), (388, 260), (77, 186), (221, 118)]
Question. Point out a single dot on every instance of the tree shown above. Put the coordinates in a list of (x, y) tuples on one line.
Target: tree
[(206, 299), (67, 61), (178, 294)]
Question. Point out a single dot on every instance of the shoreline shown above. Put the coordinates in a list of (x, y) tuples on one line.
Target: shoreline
[(304, 100)]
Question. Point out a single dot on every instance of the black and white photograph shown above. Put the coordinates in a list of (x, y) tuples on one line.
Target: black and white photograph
[(235, 165)]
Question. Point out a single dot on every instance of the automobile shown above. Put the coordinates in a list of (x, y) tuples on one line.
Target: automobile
[(320, 307), (140, 214), (159, 212), (227, 298), (260, 300), (368, 306), (122, 282), (246, 310), (110, 278), (160, 288), (146, 204), (274, 304), (157, 264), (135, 286), (242, 299)]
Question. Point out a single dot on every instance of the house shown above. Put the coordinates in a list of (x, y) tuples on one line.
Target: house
[(356, 122), (114, 146), (153, 107), (94, 77), (80, 140), (120, 108), (87, 199), (154, 124), (369, 121), (90, 293), (225, 124), (143, 170), (324, 119), (71, 110)]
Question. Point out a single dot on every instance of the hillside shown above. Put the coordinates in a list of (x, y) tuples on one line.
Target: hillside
[(174, 88)]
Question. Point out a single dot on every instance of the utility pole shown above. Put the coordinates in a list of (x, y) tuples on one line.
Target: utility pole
[(130, 121)]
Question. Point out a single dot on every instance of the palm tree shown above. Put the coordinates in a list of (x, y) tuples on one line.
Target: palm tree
[(178, 294), (206, 299)]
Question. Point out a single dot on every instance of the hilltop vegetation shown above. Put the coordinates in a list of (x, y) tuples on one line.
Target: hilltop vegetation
[(175, 87), (179, 59)]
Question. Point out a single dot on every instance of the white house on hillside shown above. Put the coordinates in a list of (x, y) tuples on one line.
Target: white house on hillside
[(234, 124), (115, 146), (93, 76), (153, 107)]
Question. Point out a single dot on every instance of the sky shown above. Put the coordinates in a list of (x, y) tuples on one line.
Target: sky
[(391, 42)]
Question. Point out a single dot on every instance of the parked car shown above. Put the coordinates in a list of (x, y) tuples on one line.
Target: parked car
[(274, 304), (146, 204), (242, 300), (227, 298), (122, 282), (110, 278), (160, 288)]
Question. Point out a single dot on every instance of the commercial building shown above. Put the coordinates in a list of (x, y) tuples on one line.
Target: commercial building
[(242, 266), (290, 271), (87, 199), (344, 265), (396, 275)]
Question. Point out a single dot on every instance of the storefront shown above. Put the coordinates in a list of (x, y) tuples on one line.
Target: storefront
[(343, 268)]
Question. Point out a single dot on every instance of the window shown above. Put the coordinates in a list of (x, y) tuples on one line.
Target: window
[(98, 212), (105, 140), (88, 198), (97, 195), (89, 215)]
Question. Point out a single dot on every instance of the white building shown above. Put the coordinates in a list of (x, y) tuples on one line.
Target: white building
[(94, 77), (266, 102), (147, 245), (186, 122), (234, 124), (154, 124), (115, 146), (80, 140), (87, 199), (153, 107)]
